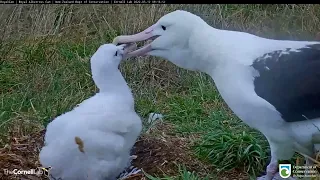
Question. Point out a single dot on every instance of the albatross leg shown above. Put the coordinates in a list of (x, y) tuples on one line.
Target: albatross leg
[(272, 168), (272, 172), (280, 150), (309, 162)]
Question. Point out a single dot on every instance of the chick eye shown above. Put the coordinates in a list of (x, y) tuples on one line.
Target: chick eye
[(116, 53), (163, 27)]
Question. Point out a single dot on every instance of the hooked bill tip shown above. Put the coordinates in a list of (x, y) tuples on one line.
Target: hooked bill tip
[(116, 40)]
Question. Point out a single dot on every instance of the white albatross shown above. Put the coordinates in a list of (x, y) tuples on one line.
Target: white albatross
[(93, 141), (271, 85)]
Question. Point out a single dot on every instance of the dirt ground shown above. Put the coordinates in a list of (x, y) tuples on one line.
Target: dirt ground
[(157, 152)]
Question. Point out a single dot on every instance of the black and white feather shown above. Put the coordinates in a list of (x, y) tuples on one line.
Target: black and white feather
[(271, 85), (290, 80)]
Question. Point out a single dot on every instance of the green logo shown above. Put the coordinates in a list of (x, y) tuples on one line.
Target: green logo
[(285, 170)]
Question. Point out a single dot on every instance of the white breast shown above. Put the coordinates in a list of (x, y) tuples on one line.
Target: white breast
[(238, 92)]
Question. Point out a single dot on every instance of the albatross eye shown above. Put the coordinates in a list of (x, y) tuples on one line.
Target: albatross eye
[(116, 53), (163, 27)]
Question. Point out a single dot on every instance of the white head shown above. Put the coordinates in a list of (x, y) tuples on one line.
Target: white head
[(171, 34), (104, 65)]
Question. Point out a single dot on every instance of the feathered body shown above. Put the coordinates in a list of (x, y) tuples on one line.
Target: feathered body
[(106, 126), (271, 85)]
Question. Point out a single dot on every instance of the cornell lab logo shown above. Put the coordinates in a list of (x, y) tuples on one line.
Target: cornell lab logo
[(285, 170), (46, 171)]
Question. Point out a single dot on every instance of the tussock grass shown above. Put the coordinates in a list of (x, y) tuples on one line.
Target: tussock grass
[(44, 69), (227, 149)]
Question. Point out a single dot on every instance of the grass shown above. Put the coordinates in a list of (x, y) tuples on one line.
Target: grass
[(44, 71), (183, 174), (227, 149)]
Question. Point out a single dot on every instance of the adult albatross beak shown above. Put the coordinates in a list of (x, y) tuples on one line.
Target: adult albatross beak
[(142, 36)]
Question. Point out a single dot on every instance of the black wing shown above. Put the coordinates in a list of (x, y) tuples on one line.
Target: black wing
[(290, 81)]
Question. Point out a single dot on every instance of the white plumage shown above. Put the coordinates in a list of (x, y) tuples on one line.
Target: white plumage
[(93, 141), (271, 85)]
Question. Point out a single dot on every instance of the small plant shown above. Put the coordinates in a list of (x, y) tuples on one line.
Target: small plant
[(228, 150)]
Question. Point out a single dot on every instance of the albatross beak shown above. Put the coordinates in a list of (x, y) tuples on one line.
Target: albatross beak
[(142, 36)]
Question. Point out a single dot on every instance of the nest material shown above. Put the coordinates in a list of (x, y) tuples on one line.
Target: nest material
[(157, 153), (23, 153)]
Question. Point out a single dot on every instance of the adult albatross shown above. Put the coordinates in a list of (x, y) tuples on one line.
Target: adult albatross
[(271, 85)]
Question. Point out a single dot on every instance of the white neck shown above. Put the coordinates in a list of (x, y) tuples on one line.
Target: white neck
[(110, 80)]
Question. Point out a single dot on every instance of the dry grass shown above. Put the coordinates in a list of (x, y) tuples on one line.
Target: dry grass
[(44, 53), (85, 20), (22, 150)]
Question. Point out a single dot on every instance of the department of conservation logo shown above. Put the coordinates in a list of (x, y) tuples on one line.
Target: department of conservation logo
[(285, 170)]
